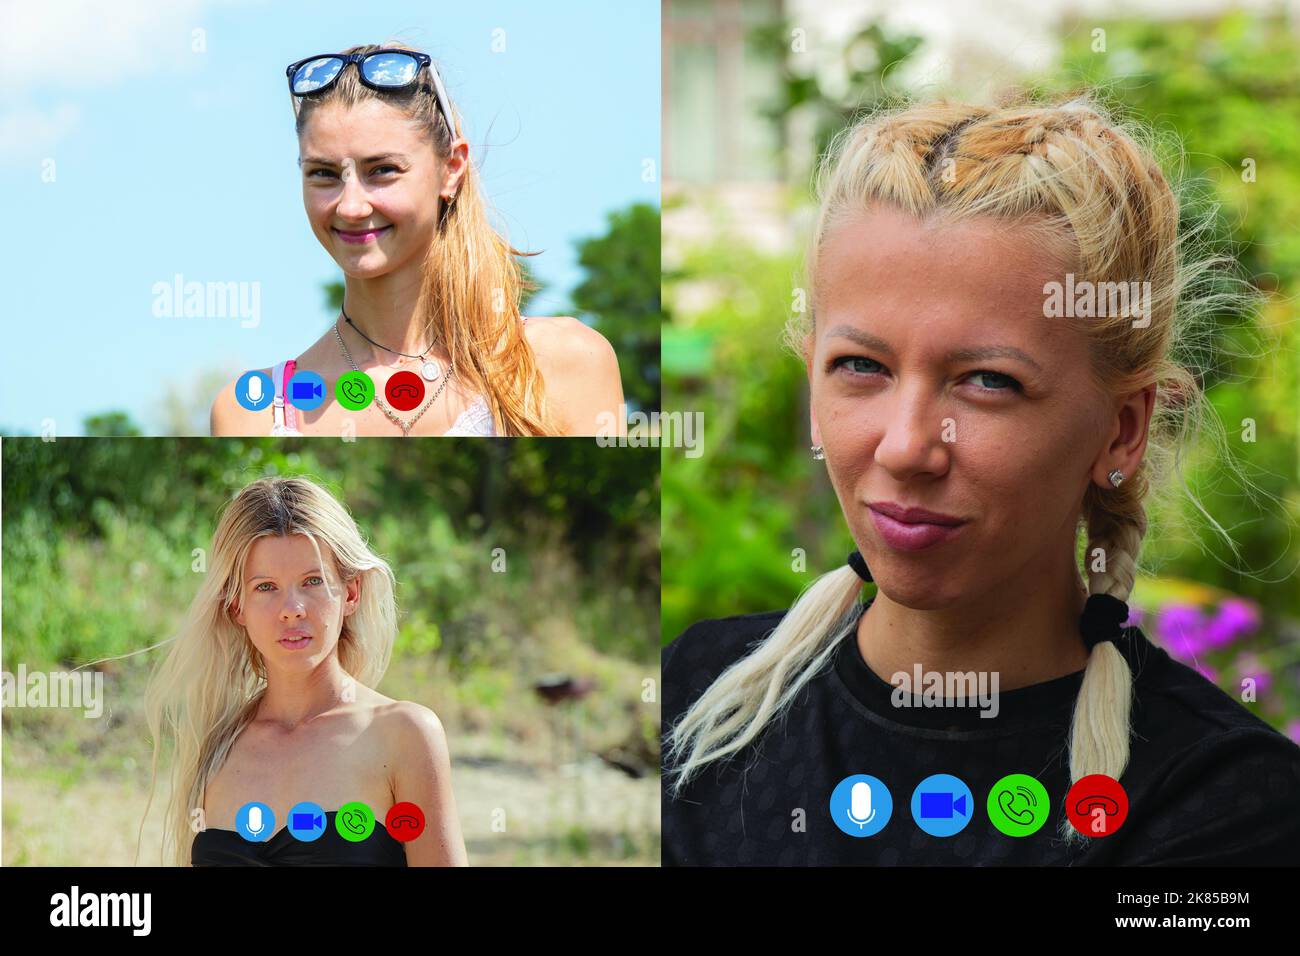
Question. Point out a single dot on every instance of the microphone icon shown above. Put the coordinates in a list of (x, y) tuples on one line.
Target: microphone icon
[(860, 810), (254, 390), (255, 822)]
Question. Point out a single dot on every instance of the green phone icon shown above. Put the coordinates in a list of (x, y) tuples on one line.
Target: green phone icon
[(354, 390), (1018, 805), (354, 822)]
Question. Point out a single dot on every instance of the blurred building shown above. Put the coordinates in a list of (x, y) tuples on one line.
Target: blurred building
[(724, 160)]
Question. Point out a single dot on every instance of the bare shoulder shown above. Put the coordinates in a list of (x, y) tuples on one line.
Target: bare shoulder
[(564, 342), (228, 417), (411, 725), (580, 371)]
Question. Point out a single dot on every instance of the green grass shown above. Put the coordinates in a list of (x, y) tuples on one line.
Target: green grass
[(471, 645)]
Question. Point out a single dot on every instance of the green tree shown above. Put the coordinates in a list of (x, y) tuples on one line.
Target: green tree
[(620, 297), (110, 425), (1229, 88), (869, 61)]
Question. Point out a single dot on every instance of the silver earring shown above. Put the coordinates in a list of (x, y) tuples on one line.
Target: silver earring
[(1116, 476), (818, 453)]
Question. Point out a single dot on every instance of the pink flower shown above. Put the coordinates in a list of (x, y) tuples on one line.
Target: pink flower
[(1236, 618), (1181, 630)]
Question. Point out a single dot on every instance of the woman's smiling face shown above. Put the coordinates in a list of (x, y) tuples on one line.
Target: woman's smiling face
[(370, 183), (937, 383), (292, 607)]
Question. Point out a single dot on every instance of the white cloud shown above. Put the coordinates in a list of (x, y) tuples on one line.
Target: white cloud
[(27, 133), (73, 46), (80, 43)]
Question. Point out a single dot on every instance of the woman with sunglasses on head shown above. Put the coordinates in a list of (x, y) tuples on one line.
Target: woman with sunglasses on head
[(431, 289)]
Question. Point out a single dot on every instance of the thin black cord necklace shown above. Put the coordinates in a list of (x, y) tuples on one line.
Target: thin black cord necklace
[(429, 370)]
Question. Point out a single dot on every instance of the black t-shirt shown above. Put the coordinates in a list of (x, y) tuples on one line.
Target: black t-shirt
[(1207, 781)]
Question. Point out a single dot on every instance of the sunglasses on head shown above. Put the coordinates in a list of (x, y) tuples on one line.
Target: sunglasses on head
[(389, 69)]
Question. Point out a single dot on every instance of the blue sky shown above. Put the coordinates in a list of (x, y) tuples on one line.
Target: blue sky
[(167, 160)]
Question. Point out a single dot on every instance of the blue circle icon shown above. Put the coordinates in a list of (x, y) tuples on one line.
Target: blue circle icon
[(255, 822), (254, 391), (942, 805), (306, 390), (861, 805), (306, 821)]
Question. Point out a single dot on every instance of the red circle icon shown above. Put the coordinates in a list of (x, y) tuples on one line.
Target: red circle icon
[(404, 822), (404, 391), (1097, 805)]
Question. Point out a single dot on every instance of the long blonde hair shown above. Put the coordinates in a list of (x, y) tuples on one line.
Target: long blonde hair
[(470, 292), (207, 689), (1081, 181)]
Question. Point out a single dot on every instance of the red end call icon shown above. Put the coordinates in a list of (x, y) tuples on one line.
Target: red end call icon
[(1097, 805), (405, 822), (404, 391)]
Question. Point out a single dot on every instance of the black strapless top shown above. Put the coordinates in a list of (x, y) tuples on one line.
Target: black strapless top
[(227, 848)]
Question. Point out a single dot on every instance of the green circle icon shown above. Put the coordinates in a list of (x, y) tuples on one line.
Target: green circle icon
[(354, 821), (354, 390), (1018, 805)]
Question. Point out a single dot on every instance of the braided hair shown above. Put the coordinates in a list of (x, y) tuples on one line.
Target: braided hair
[(1090, 188)]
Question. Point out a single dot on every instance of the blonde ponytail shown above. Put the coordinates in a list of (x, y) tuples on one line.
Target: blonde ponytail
[(758, 688), (1091, 190), (1101, 727), (470, 304)]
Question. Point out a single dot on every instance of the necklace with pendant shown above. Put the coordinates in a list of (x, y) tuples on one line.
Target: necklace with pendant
[(429, 369), (405, 426)]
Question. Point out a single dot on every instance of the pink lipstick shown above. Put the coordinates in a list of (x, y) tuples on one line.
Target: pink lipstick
[(913, 529), (358, 238)]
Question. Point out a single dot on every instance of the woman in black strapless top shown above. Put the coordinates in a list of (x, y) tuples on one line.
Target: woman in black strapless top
[(267, 695), (227, 848)]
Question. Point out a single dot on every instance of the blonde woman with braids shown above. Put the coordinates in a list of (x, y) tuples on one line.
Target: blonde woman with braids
[(266, 695), (432, 290), (970, 433)]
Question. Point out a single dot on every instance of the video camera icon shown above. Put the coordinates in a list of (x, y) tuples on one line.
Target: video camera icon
[(306, 821), (942, 805), (306, 390)]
